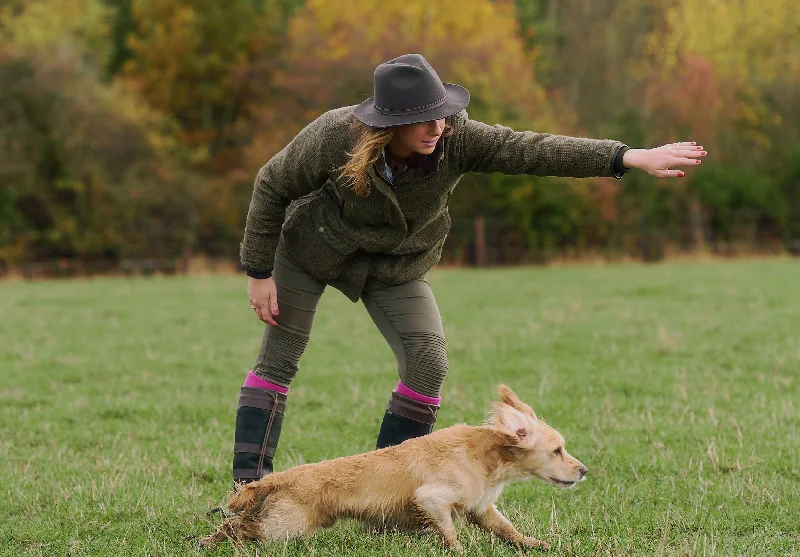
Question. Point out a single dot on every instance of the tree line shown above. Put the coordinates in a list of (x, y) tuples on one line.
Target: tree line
[(134, 128)]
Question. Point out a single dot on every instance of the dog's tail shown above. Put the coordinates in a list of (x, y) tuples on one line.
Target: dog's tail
[(251, 496)]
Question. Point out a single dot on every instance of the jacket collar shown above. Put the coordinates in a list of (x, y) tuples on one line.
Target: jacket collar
[(417, 165)]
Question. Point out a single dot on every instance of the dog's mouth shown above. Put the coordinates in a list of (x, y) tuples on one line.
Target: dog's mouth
[(562, 483)]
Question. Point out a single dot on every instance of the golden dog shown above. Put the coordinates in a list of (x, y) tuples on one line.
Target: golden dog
[(423, 482)]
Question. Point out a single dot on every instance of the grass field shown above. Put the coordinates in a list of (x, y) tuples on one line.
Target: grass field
[(678, 385)]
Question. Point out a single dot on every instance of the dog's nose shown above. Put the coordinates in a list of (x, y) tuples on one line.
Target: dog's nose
[(583, 469)]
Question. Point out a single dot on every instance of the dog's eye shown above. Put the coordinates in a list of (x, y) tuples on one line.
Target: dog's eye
[(557, 452)]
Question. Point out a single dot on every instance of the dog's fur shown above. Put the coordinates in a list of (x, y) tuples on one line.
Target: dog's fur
[(426, 481)]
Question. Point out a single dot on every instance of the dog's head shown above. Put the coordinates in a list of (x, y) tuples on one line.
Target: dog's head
[(533, 447)]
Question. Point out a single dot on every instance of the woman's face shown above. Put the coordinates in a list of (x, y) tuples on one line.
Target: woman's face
[(416, 138)]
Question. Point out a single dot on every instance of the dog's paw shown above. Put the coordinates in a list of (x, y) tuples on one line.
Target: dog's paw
[(456, 547), (451, 544), (530, 541)]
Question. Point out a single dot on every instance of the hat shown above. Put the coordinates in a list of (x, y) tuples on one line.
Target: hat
[(407, 90)]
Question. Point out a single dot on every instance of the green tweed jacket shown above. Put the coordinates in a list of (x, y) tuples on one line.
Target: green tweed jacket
[(396, 233)]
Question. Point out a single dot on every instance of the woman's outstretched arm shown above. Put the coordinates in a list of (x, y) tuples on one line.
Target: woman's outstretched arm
[(486, 149)]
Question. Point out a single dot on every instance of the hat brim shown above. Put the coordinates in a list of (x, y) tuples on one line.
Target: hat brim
[(457, 100)]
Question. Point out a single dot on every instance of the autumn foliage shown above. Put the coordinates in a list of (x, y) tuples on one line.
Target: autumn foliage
[(134, 128)]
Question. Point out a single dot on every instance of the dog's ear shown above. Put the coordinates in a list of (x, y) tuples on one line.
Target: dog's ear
[(505, 438), (510, 398), (513, 424)]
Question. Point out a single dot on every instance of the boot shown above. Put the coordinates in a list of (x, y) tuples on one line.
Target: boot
[(258, 428), (405, 419)]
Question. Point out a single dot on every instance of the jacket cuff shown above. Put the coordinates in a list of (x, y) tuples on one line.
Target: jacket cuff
[(617, 167), (257, 274)]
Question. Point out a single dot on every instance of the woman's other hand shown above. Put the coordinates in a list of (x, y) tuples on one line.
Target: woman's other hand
[(263, 296), (662, 161)]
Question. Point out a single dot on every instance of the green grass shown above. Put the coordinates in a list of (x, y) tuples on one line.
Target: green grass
[(677, 385)]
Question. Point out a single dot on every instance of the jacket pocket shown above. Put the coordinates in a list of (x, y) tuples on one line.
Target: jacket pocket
[(311, 242)]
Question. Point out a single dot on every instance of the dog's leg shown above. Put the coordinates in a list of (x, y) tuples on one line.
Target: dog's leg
[(435, 503), (289, 519), (493, 521), (230, 530)]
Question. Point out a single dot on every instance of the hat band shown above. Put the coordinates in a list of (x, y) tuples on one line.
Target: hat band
[(415, 110)]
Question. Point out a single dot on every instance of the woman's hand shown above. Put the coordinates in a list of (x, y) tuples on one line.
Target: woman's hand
[(263, 298), (662, 161)]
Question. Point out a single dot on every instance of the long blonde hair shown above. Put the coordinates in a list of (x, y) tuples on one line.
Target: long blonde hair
[(367, 150)]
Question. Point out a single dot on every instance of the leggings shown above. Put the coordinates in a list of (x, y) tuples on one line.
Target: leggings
[(406, 315)]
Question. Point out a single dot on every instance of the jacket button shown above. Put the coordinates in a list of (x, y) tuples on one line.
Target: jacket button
[(322, 229)]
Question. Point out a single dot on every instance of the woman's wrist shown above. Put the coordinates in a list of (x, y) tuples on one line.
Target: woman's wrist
[(632, 158), (258, 275)]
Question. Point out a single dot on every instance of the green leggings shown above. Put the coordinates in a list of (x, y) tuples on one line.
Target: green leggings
[(406, 315)]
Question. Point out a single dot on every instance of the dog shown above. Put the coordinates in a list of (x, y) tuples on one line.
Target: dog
[(455, 472)]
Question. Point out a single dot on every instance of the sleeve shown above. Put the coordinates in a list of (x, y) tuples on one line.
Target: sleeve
[(486, 149), (297, 170)]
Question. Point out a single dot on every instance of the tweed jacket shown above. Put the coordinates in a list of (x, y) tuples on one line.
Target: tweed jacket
[(396, 233)]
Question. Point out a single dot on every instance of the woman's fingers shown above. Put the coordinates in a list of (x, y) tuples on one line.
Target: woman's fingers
[(669, 173), (272, 305), (664, 159), (685, 161), (267, 315), (691, 154), (688, 151), (681, 145), (263, 312), (259, 314)]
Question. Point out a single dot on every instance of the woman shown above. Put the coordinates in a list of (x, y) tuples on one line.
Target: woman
[(358, 200)]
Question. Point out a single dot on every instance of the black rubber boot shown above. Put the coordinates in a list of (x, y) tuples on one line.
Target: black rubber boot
[(258, 428), (405, 419)]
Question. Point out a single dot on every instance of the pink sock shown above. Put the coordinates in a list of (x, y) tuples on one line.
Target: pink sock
[(254, 380), (412, 394)]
